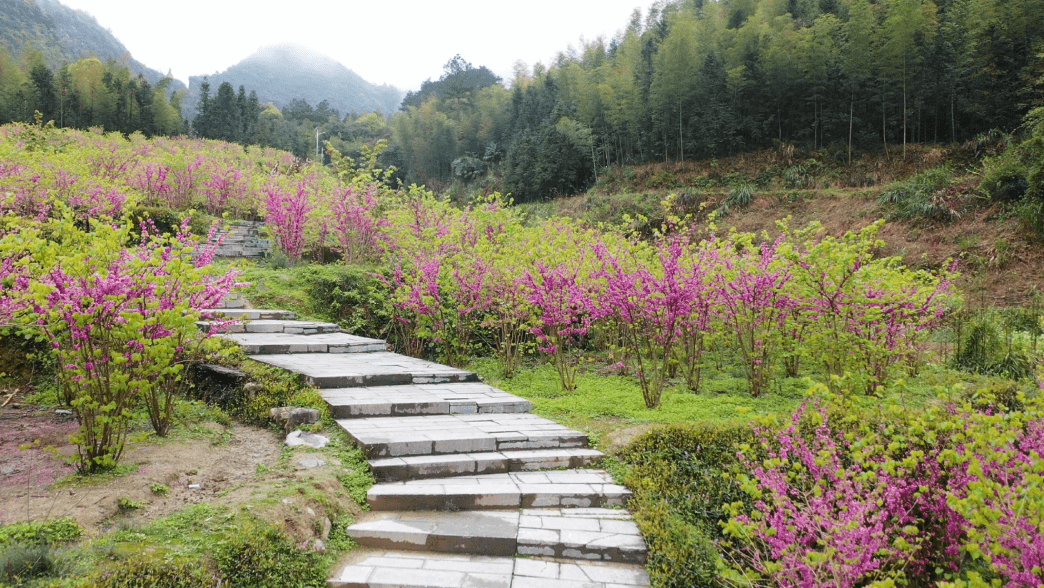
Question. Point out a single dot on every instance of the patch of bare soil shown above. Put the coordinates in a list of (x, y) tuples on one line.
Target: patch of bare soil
[(236, 465)]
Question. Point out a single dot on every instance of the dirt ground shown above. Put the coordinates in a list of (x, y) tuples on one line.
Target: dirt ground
[(236, 465)]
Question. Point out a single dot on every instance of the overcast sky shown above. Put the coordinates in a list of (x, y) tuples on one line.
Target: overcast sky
[(397, 42)]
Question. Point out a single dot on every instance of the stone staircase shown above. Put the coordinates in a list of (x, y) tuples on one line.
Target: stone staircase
[(242, 239), (472, 489)]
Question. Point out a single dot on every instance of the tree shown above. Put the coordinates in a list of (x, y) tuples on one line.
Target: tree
[(202, 124), (226, 123), (674, 83), (908, 24), (44, 88)]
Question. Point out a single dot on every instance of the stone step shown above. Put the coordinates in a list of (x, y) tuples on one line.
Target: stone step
[(273, 326), (250, 314), (458, 433), (581, 533), (396, 569), (233, 300), (371, 369), (419, 467), (271, 343), (552, 489), (422, 399), (475, 533), (591, 534)]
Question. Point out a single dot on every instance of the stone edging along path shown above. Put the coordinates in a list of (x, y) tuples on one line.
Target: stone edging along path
[(472, 490)]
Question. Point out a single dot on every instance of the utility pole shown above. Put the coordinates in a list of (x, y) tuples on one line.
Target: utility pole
[(317, 133)]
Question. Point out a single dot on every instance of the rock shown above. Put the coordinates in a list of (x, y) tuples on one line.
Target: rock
[(63, 412), (312, 463), (291, 417), (315, 545), (327, 525), (309, 510), (217, 384), (310, 439), (251, 389)]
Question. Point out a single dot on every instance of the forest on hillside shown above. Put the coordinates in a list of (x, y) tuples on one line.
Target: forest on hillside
[(698, 79), (688, 79)]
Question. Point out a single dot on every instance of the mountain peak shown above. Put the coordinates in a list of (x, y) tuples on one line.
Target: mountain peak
[(282, 72), (292, 55)]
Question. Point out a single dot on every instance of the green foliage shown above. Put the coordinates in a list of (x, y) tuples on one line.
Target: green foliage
[(265, 558), (354, 298), (922, 196), (355, 474), (682, 479), (741, 194), (125, 504), (688, 466), (154, 571), (21, 563), (49, 532), (278, 388), (159, 489), (997, 343)]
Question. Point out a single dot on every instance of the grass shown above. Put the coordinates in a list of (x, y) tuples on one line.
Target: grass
[(603, 403)]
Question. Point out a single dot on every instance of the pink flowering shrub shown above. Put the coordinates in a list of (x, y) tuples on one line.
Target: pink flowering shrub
[(657, 299), (287, 211), (754, 304), (152, 180), (909, 497), (227, 189), (357, 223), (562, 302), (121, 321)]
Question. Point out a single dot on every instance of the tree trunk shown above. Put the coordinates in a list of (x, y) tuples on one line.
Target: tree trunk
[(851, 115), (904, 108), (681, 141)]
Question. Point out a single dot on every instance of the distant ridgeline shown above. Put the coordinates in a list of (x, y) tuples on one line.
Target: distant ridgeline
[(283, 73), (64, 35)]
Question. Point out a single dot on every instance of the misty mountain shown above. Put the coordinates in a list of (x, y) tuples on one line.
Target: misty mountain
[(64, 35), (281, 73)]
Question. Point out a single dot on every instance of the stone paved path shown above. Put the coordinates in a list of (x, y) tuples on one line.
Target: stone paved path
[(472, 489), (242, 239)]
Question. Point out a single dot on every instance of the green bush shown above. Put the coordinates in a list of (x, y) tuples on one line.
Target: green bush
[(278, 388), (993, 348), (921, 196), (681, 476), (154, 572), (50, 532), (19, 563), (681, 554), (354, 298), (264, 558)]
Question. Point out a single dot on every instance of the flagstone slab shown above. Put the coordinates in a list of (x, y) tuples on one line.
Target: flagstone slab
[(590, 534), (581, 533), (269, 326), (458, 433), (278, 343), (343, 370), (250, 314), (422, 399), (556, 488), (391, 569), (396, 569), (475, 533), (416, 467), (543, 573)]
